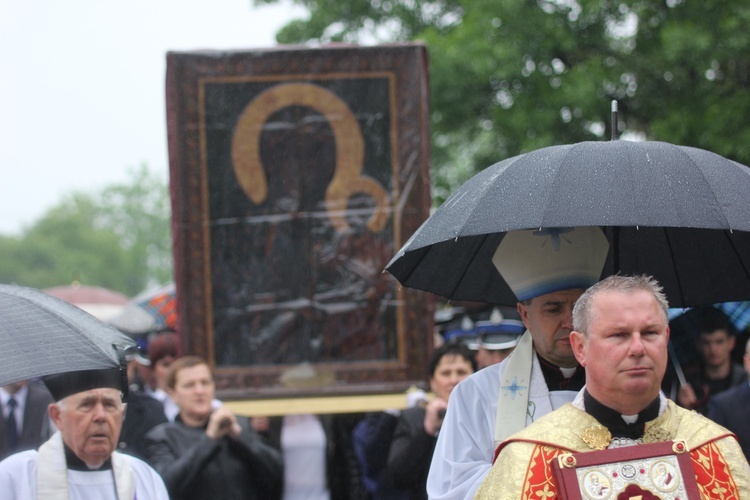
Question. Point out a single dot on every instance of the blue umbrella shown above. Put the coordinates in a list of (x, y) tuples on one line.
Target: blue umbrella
[(737, 312)]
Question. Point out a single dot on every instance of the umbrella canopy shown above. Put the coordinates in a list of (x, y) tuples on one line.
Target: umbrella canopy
[(737, 312), (151, 311), (42, 335), (678, 213)]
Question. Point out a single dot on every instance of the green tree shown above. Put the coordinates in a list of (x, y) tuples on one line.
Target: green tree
[(139, 212), (117, 238), (510, 76)]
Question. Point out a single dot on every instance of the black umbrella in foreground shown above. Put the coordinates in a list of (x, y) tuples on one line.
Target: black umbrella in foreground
[(41, 335), (678, 213)]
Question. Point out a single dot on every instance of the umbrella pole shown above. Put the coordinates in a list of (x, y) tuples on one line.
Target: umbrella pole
[(614, 120), (616, 249), (676, 364)]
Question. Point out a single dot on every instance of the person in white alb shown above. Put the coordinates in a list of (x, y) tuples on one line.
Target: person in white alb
[(547, 270), (79, 461)]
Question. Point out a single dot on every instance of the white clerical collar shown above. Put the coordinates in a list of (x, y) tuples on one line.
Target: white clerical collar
[(52, 472), (578, 403), (568, 372), (630, 419)]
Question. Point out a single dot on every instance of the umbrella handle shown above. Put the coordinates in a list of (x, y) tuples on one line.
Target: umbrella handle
[(614, 120), (124, 382), (676, 364)]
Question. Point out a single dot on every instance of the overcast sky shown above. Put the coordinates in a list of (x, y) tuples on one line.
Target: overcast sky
[(82, 88)]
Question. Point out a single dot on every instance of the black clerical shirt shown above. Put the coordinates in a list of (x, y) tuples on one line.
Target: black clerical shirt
[(556, 381), (75, 463), (613, 421)]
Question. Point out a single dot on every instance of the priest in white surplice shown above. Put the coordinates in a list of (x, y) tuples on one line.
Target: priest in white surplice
[(547, 270), (79, 462)]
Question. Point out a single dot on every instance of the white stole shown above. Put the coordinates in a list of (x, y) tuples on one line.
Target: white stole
[(514, 390), (52, 472)]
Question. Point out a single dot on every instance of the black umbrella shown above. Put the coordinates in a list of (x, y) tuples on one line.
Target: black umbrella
[(41, 335), (678, 213)]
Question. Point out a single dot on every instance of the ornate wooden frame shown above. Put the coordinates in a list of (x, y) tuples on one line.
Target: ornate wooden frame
[(203, 85)]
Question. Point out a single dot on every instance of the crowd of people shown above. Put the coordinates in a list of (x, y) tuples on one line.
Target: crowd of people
[(581, 369), (181, 442)]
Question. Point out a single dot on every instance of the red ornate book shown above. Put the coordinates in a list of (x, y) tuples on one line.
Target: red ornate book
[(644, 472)]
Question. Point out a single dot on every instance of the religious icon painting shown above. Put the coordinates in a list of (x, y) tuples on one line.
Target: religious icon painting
[(296, 174)]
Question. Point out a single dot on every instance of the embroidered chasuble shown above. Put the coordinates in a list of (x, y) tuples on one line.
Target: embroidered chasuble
[(522, 470)]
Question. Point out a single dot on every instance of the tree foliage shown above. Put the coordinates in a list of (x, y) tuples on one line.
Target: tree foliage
[(511, 76), (117, 238)]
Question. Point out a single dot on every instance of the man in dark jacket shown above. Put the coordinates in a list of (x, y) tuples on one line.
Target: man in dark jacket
[(142, 413), (731, 408), (717, 371), (210, 454)]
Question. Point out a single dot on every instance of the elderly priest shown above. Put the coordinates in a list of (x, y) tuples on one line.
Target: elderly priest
[(79, 461)]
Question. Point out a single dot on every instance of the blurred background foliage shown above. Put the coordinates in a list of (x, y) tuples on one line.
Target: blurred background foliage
[(506, 77), (118, 238), (511, 76)]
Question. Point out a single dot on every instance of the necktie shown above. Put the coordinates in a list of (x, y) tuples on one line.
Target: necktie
[(11, 425)]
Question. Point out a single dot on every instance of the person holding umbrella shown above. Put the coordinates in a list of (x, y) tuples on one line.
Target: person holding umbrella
[(620, 336), (547, 270), (717, 371), (79, 461), (731, 408)]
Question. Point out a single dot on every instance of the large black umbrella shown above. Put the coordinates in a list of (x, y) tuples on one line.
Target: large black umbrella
[(41, 335), (678, 213)]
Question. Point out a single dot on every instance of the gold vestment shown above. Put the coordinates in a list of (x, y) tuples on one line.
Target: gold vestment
[(522, 469)]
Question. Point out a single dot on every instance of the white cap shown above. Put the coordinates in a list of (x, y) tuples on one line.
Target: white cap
[(468, 337), (536, 262), (502, 335)]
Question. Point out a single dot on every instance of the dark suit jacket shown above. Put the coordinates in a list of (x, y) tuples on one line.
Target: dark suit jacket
[(142, 414), (731, 409), (36, 425)]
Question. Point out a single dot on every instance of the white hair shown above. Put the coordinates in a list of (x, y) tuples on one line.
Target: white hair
[(63, 403)]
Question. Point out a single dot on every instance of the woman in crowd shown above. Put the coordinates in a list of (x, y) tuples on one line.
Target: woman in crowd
[(416, 432)]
